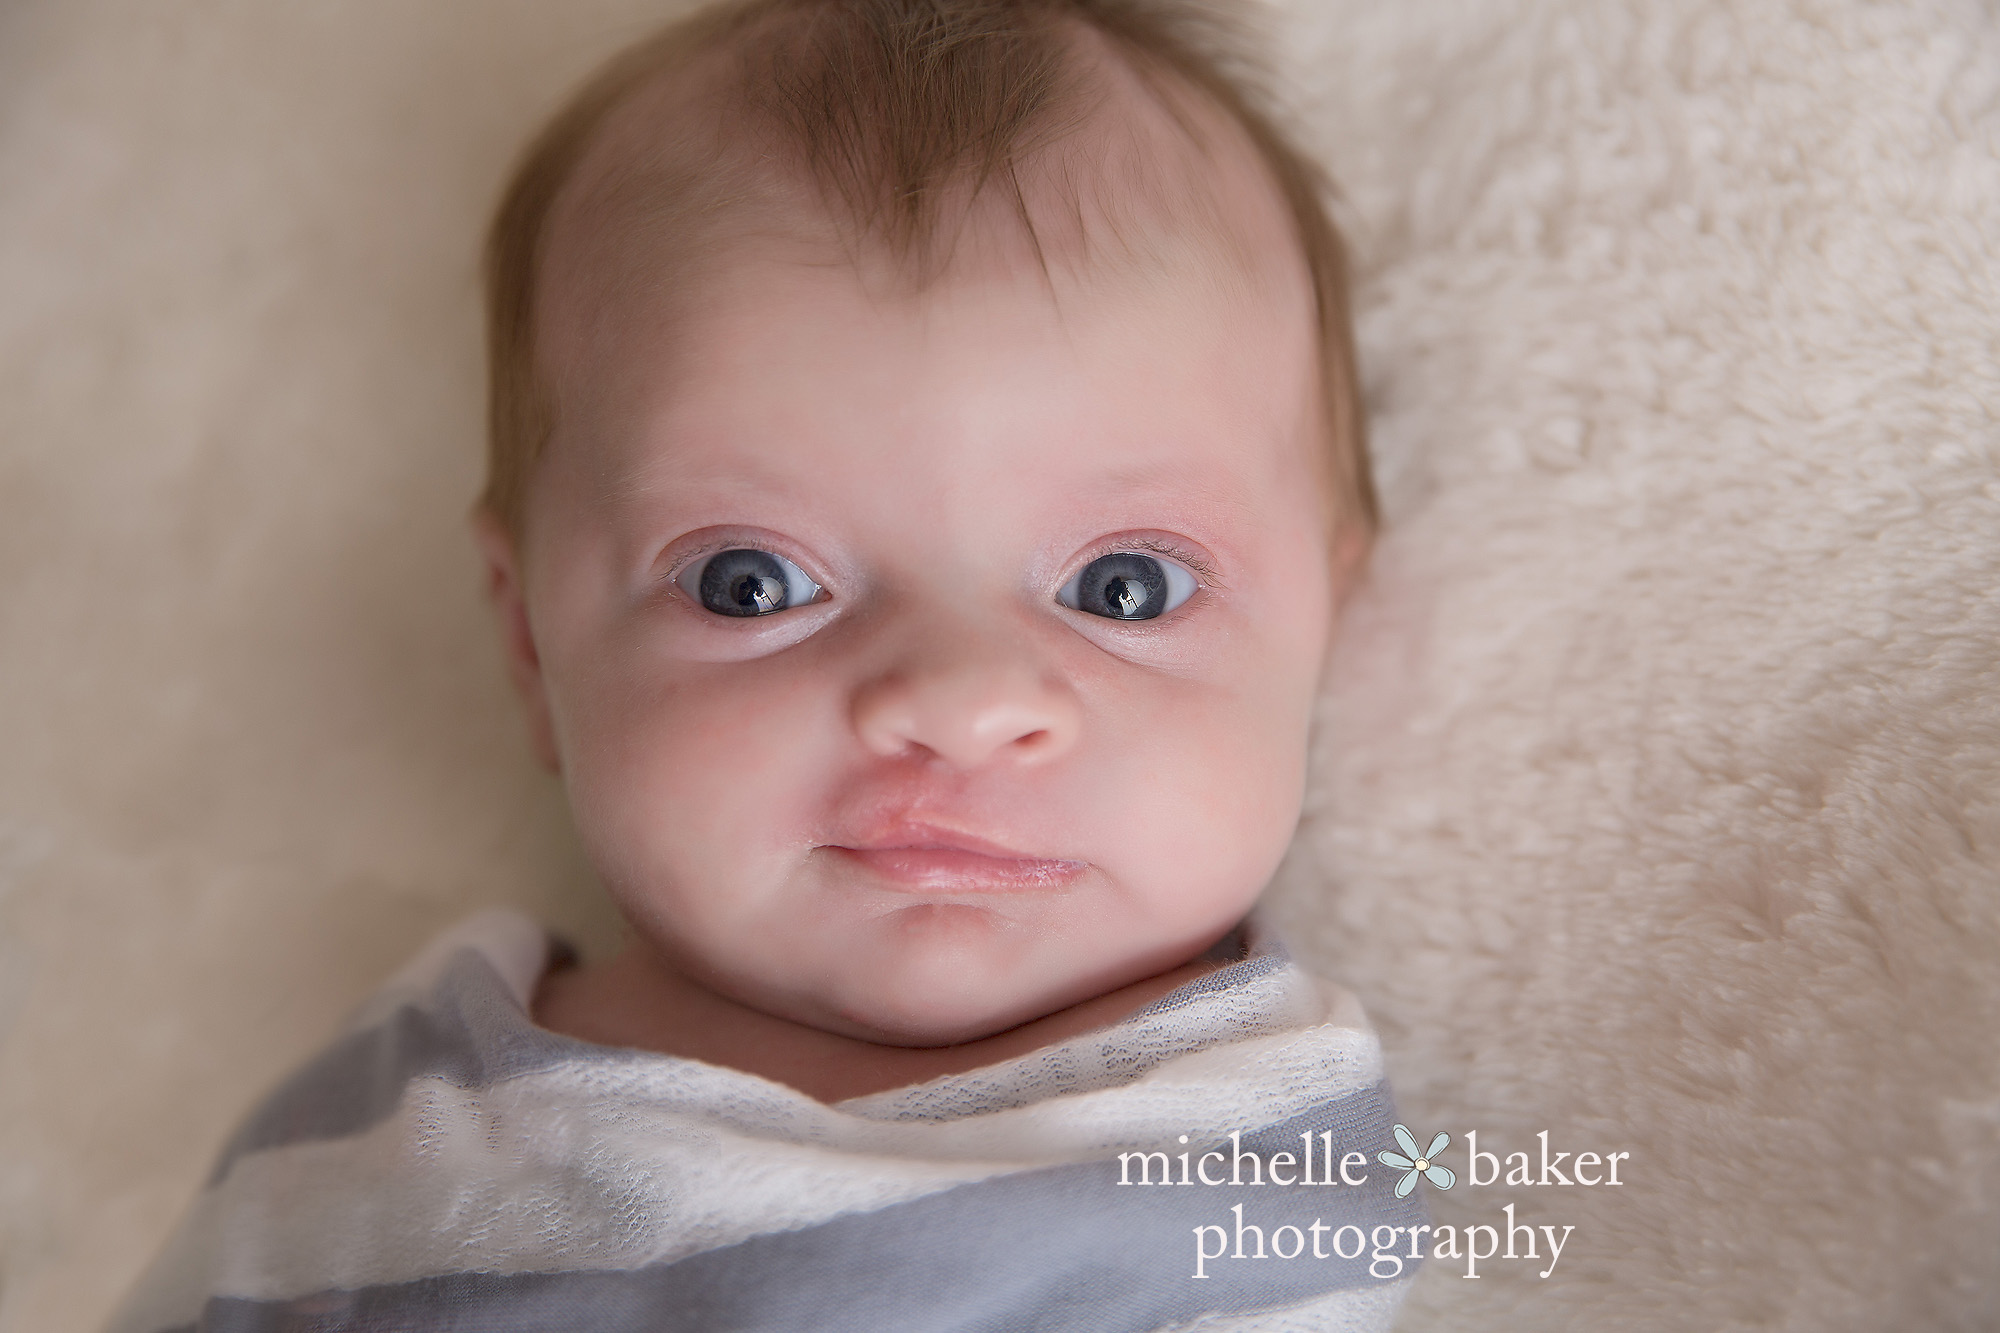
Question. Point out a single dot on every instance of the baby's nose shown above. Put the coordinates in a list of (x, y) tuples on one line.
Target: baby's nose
[(967, 712)]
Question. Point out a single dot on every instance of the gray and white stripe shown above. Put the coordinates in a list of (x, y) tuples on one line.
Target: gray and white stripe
[(447, 1165)]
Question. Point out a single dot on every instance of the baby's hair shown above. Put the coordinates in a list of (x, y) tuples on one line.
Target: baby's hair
[(888, 106)]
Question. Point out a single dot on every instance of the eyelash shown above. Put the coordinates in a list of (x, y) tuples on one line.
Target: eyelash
[(1205, 572), (671, 577)]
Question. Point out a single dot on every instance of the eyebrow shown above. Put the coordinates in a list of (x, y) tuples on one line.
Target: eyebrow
[(1130, 485), (1217, 502), (627, 487)]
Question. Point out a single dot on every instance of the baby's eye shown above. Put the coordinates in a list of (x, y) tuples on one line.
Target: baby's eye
[(1128, 586), (746, 582)]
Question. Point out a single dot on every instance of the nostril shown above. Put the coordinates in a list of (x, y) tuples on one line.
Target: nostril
[(963, 718)]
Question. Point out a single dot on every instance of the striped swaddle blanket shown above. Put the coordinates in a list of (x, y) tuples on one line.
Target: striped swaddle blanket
[(445, 1164)]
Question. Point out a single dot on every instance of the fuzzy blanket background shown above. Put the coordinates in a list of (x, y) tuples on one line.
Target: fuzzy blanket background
[(1659, 797)]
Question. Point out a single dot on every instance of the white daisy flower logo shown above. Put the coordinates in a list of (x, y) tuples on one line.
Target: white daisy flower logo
[(1418, 1163)]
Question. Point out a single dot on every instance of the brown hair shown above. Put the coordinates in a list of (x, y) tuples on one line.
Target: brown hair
[(886, 103)]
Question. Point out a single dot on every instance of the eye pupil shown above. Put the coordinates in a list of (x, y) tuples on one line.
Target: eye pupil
[(1125, 586), (758, 595), (744, 583)]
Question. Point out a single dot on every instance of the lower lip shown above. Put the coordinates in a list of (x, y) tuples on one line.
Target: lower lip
[(953, 870)]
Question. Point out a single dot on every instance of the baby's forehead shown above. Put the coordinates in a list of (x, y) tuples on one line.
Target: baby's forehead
[(1123, 171)]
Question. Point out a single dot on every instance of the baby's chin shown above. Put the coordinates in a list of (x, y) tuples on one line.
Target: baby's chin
[(949, 974)]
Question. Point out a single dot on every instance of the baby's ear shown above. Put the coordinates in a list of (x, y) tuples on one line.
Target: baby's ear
[(501, 554)]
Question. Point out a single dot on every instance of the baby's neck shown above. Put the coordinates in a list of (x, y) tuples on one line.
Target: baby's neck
[(635, 1000)]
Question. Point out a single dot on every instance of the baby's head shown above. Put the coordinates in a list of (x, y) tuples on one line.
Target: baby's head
[(925, 468)]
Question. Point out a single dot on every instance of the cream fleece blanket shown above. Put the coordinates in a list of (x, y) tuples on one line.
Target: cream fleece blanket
[(1657, 797)]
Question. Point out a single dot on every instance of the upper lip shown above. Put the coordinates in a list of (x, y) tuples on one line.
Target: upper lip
[(917, 836)]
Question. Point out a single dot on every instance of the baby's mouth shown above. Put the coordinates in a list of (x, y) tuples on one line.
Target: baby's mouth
[(955, 865)]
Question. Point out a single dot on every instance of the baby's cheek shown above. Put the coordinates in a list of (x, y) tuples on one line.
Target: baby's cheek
[(1212, 801), (687, 784)]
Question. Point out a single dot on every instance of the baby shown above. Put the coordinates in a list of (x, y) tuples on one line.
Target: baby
[(925, 468)]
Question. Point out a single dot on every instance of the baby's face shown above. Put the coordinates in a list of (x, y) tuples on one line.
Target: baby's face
[(920, 663)]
